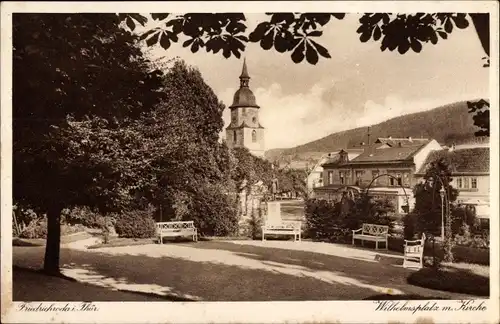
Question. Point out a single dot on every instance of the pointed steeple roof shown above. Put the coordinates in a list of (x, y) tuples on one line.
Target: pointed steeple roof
[(244, 97), (244, 71)]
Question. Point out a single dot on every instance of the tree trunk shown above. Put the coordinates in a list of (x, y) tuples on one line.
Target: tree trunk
[(52, 248)]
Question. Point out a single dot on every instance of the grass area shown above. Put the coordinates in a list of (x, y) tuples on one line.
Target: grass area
[(461, 278), (123, 241), (41, 242)]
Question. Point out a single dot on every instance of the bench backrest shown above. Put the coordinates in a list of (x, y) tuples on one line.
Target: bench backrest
[(373, 229), (174, 226), (285, 225), (417, 248)]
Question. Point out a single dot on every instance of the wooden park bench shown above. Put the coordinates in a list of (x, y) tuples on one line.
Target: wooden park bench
[(283, 228), (372, 232), (176, 229), (414, 253)]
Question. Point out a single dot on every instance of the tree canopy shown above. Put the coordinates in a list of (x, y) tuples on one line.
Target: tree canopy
[(300, 33), (80, 83)]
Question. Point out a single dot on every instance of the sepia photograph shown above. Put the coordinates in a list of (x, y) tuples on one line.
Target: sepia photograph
[(271, 155)]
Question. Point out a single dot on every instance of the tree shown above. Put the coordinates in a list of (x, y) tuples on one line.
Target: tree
[(299, 34), (80, 83), (429, 205), (191, 171)]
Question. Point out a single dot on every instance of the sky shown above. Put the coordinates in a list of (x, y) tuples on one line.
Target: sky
[(358, 86)]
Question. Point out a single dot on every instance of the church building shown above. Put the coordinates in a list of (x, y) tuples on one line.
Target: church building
[(245, 129)]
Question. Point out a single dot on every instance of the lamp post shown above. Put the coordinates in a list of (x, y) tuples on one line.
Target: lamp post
[(441, 192)]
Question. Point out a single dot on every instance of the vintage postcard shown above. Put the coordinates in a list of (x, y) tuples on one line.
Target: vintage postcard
[(250, 162)]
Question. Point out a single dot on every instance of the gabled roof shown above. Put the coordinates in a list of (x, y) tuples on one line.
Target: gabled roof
[(405, 141), (470, 160), (334, 158), (388, 154)]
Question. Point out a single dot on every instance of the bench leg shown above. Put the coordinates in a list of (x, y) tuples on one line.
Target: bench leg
[(386, 244), (161, 239)]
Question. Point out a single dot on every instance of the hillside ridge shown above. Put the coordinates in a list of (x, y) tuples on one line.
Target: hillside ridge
[(448, 124)]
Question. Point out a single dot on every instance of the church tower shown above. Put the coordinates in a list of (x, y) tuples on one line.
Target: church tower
[(245, 129)]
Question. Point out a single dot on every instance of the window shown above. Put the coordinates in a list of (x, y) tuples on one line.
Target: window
[(342, 177), (254, 136), (466, 183), (235, 137), (473, 183), (374, 175), (459, 183), (359, 175), (400, 179), (330, 177), (406, 179)]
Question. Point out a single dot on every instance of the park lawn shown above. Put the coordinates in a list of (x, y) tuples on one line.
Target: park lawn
[(41, 241), (465, 278), (123, 241)]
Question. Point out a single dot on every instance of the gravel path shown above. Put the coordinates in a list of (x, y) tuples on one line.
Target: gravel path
[(237, 271)]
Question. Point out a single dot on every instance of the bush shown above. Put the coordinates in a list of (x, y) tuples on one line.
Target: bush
[(35, 230), (38, 230), (214, 212), (321, 218), (465, 239), (410, 226), (136, 224), (329, 220), (84, 216), (463, 281)]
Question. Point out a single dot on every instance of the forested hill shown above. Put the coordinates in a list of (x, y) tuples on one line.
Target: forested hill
[(447, 124)]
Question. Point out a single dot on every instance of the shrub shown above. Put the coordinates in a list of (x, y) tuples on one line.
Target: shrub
[(321, 216), (71, 229), (329, 220), (451, 279), (465, 239), (136, 224), (84, 216), (214, 211), (35, 230), (410, 226)]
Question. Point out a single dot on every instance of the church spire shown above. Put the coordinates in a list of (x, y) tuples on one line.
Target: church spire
[(244, 77)]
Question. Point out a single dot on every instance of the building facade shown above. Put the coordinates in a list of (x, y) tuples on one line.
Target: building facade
[(315, 175), (387, 168), (470, 172), (245, 129)]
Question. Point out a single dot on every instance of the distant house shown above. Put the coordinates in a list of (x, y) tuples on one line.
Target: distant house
[(470, 175), (398, 157), (315, 175)]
